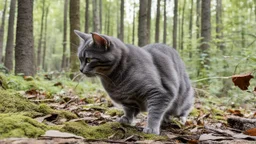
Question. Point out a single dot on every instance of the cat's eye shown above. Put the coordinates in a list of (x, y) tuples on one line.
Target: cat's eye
[(88, 60)]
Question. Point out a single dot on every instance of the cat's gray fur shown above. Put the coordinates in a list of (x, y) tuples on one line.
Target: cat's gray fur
[(152, 78)]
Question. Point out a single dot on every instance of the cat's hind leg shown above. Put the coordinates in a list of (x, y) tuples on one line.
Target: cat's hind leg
[(157, 106)]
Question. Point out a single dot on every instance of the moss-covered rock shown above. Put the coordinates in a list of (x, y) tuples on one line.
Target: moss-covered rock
[(16, 125), (114, 112), (11, 102), (113, 130)]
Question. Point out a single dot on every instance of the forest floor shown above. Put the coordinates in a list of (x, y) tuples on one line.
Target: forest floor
[(52, 109)]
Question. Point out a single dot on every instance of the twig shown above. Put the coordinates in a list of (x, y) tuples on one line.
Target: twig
[(209, 78)]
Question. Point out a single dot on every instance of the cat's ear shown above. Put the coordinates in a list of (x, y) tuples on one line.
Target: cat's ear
[(100, 40), (82, 35)]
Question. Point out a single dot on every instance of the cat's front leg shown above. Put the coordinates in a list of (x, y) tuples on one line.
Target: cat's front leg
[(157, 107), (129, 114)]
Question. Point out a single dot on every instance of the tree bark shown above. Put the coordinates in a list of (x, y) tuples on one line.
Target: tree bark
[(74, 20), (45, 37), (24, 49), (182, 25), (165, 23), (8, 63), (133, 24), (96, 25), (2, 30), (219, 33), (206, 30), (190, 28), (39, 49), (198, 15), (86, 29), (64, 43), (142, 30), (100, 15), (175, 21), (121, 37), (149, 20), (157, 21)]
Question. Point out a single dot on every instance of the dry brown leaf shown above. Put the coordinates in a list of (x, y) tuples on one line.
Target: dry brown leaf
[(251, 132), (58, 134), (210, 136), (242, 81)]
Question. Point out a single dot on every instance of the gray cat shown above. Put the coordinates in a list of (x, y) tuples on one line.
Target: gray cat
[(152, 78)]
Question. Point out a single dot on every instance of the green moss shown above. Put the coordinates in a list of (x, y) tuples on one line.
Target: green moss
[(3, 81), (16, 125), (117, 130), (114, 112), (13, 102)]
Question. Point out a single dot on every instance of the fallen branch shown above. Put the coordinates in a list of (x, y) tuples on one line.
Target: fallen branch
[(241, 123)]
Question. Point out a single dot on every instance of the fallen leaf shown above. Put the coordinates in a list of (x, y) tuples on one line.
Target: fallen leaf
[(251, 132), (58, 134), (28, 78), (210, 136), (242, 81), (41, 119), (58, 84)]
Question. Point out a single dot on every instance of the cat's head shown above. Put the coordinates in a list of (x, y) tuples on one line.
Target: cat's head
[(98, 54)]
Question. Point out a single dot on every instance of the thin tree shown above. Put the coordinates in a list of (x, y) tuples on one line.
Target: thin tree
[(205, 31), (121, 36), (219, 33), (74, 20), (142, 29), (133, 23), (45, 37), (198, 15), (2, 32), (165, 23), (149, 20), (175, 21), (96, 24), (87, 4), (64, 42), (100, 15), (24, 49), (190, 28), (157, 21), (39, 48), (182, 25), (8, 63)]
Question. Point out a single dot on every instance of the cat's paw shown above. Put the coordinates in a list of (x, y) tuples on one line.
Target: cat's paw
[(151, 131), (125, 120)]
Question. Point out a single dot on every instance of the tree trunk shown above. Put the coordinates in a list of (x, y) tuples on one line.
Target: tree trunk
[(8, 63), (86, 29), (96, 25), (190, 28), (205, 31), (45, 37), (149, 20), (133, 24), (198, 15), (100, 14), (121, 37), (2, 32), (24, 49), (175, 21), (108, 17), (165, 23), (157, 21), (74, 20), (219, 33), (39, 55), (142, 29), (182, 26), (64, 43)]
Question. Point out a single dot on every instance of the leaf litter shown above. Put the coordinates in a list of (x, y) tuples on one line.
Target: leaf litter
[(205, 123)]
